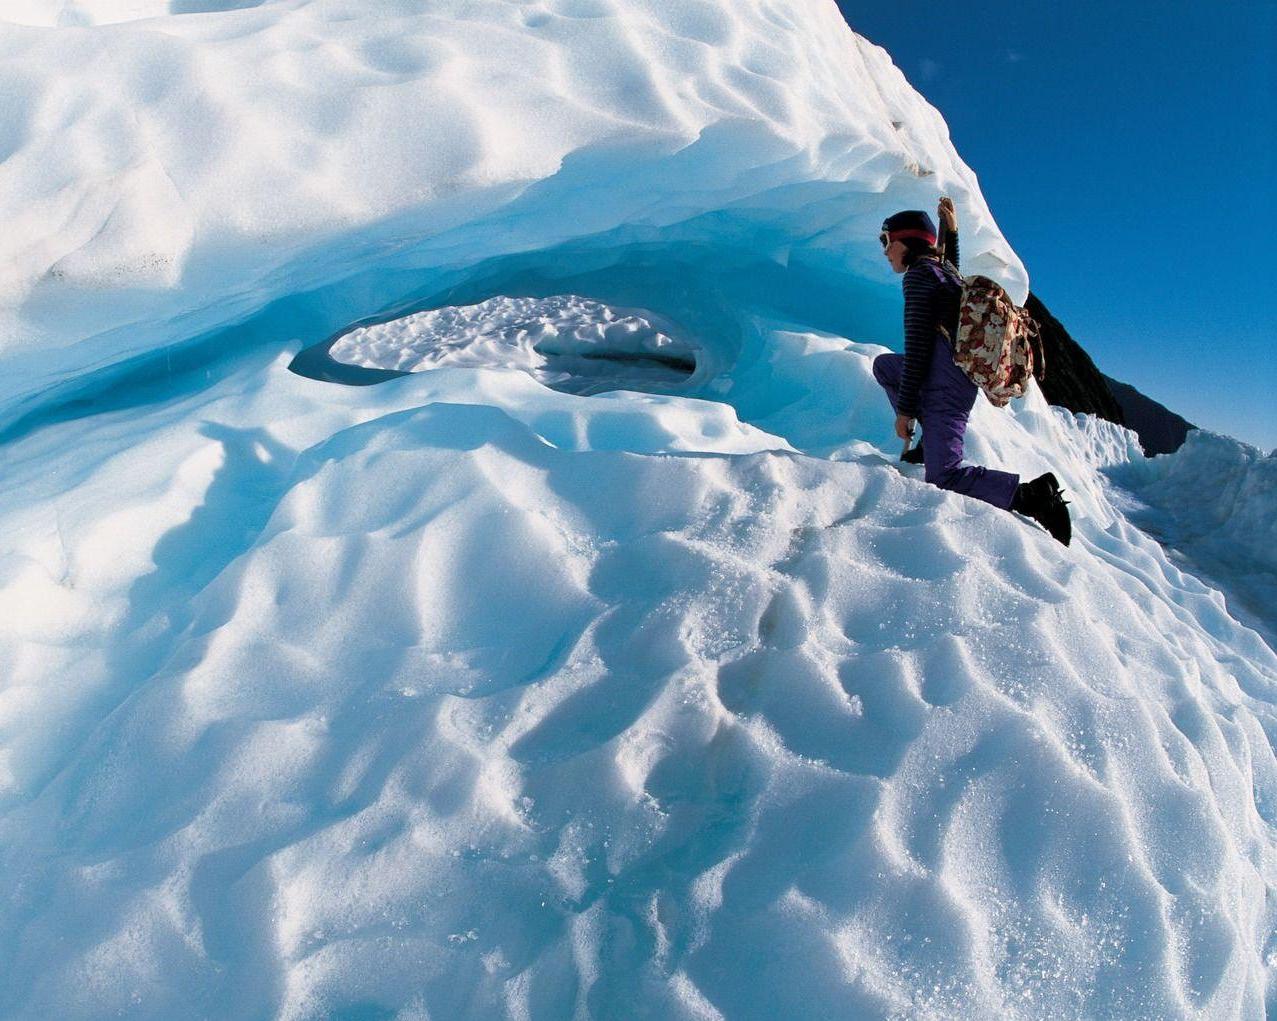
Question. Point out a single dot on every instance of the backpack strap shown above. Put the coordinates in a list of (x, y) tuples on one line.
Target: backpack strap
[(944, 270), (1039, 350)]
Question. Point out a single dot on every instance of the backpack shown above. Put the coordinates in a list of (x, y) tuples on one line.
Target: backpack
[(998, 346)]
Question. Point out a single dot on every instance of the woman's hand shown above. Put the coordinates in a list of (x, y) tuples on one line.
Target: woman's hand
[(947, 214), (904, 427)]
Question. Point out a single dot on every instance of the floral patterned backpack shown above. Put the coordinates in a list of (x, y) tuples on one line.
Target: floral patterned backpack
[(998, 345)]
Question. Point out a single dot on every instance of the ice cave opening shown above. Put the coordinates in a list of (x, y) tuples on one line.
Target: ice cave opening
[(568, 342)]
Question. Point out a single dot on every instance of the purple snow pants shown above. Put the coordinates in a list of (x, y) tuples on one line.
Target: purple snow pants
[(946, 401)]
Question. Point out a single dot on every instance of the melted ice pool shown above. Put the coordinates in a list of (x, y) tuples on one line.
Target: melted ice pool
[(566, 341)]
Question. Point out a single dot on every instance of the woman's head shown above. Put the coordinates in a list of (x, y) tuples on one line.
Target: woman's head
[(906, 236)]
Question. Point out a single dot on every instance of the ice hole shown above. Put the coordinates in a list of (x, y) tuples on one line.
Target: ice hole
[(569, 343)]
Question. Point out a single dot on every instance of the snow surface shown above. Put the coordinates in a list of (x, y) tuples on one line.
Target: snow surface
[(468, 696)]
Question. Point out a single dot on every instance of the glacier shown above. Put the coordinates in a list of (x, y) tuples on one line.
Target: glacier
[(607, 664)]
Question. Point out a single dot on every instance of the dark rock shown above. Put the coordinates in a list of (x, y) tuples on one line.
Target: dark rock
[(1160, 430), (1072, 380)]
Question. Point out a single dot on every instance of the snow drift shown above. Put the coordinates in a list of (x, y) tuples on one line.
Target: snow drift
[(468, 696)]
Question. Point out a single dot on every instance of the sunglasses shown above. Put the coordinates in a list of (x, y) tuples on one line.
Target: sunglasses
[(884, 240)]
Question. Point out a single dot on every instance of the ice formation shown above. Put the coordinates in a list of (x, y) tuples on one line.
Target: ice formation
[(468, 696), (303, 164), (1213, 503)]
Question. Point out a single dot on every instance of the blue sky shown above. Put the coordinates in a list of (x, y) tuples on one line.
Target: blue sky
[(1127, 153)]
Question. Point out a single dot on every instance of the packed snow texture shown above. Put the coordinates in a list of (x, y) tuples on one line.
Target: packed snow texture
[(463, 696)]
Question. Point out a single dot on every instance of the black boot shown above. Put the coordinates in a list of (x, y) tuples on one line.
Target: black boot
[(1042, 501)]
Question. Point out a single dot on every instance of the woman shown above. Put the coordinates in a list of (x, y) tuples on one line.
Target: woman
[(925, 384)]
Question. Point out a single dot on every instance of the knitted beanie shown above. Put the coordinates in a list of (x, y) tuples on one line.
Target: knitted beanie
[(911, 223)]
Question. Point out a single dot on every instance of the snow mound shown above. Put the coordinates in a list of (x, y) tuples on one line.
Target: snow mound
[(461, 696)]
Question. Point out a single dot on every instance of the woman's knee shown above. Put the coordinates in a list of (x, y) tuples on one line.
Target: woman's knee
[(884, 365)]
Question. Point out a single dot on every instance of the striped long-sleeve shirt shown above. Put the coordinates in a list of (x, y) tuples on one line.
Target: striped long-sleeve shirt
[(932, 297)]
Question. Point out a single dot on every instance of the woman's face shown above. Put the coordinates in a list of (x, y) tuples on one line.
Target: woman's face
[(895, 254)]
